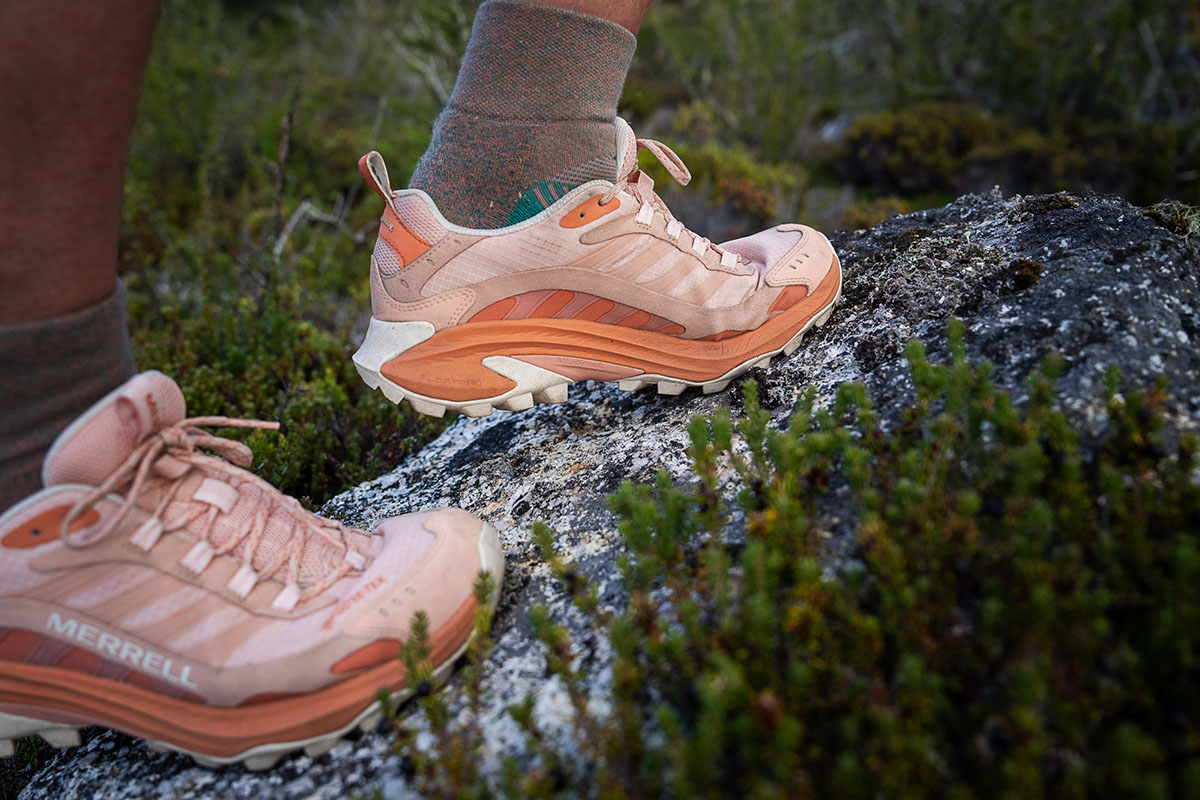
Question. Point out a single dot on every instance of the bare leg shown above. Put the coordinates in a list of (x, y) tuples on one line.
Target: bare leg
[(71, 73)]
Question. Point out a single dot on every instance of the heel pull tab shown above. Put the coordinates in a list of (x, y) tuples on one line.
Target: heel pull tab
[(375, 173)]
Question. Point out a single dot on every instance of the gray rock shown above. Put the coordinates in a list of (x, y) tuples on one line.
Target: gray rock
[(1114, 289)]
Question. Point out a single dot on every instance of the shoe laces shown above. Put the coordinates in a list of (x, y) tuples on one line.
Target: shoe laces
[(165, 458), (641, 186)]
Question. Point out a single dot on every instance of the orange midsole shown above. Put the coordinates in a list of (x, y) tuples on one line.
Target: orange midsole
[(449, 365), (218, 731)]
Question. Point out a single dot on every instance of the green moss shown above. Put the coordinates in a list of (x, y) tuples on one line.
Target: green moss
[(235, 289), (951, 147), (1179, 218), (15, 771), (921, 148), (1025, 272), (641, 97), (1032, 95), (1017, 620), (1027, 208), (733, 175)]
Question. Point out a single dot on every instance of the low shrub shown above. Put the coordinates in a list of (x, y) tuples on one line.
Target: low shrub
[(952, 148), (1018, 618), (246, 230)]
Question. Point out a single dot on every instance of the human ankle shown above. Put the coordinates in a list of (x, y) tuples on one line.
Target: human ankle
[(55, 369), (531, 114)]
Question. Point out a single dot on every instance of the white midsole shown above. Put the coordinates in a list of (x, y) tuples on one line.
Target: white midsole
[(388, 340)]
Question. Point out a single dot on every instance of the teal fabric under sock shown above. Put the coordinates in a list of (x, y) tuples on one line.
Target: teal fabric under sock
[(531, 114)]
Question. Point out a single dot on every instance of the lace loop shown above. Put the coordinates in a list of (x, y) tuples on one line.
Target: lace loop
[(668, 158), (179, 443), (641, 186)]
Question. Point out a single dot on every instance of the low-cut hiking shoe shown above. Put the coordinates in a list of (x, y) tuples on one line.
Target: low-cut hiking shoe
[(603, 284), (167, 593)]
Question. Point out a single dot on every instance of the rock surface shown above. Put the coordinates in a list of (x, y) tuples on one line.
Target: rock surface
[(1090, 277)]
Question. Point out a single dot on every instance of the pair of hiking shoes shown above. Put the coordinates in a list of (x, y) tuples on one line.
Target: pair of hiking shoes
[(157, 587)]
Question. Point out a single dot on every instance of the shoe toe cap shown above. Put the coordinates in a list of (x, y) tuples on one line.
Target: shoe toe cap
[(790, 254), (429, 562)]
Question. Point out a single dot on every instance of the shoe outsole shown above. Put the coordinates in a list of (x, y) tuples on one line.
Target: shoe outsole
[(534, 384), (263, 757)]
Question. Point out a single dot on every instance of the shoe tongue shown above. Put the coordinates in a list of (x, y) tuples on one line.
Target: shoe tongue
[(627, 159), (95, 444)]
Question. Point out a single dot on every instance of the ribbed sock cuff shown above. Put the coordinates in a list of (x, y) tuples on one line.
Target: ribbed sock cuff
[(54, 370)]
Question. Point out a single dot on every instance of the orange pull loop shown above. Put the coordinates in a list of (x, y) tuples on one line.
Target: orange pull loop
[(374, 172)]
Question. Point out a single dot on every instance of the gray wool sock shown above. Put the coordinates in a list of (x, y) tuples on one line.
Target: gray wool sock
[(531, 114), (54, 370)]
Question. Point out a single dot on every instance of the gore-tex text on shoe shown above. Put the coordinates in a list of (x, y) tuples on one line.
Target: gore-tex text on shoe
[(128, 652)]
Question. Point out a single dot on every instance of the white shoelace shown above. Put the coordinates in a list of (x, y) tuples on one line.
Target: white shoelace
[(173, 449), (641, 186)]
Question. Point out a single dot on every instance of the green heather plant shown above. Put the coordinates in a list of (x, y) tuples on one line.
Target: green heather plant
[(455, 772), (247, 232), (1019, 617), (15, 771), (1101, 93)]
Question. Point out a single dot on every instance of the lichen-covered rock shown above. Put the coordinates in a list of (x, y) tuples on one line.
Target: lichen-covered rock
[(1089, 277)]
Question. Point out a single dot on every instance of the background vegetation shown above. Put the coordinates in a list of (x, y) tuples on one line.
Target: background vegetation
[(1018, 618), (246, 238), (247, 233)]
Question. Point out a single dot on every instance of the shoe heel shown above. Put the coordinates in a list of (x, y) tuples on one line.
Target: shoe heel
[(385, 341), (13, 727), (526, 383)]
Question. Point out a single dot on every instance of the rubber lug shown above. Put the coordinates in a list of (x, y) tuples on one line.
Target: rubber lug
[(422, 406), (317, 749), (518, 402), (371, 722), (392, 392), (552, 394), (263, 762), (60, 737)]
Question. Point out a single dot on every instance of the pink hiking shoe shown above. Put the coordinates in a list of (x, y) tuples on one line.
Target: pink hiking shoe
[(174, 596), (604, 284)]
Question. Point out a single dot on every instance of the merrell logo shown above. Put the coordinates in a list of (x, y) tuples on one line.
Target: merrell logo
[(122, 651), (353, 599)]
